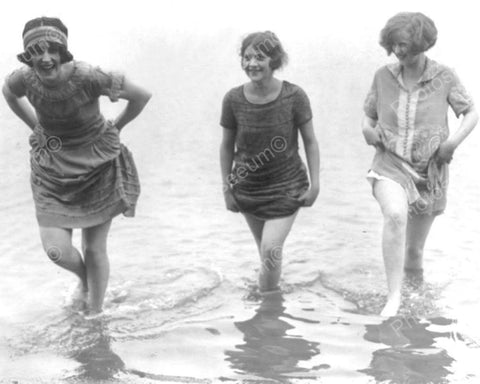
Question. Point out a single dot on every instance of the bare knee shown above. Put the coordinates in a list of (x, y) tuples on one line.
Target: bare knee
[(56, 243), (95, 254), (395, 219), (56, 252), (271, 257)]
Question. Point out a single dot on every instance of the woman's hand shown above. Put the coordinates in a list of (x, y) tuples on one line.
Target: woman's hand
[(112, 123), (445, 152), (372, 137), (313, 160), (230, 202), (309, 197), (371, 134)]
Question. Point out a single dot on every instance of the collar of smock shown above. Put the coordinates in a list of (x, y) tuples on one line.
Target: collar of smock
[(432, 69)]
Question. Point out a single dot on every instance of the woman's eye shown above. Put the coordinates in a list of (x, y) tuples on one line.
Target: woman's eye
[(257, 57)]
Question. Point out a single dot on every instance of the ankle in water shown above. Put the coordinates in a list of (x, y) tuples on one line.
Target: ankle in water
[(413, 277), (270, 292), (392, 306)]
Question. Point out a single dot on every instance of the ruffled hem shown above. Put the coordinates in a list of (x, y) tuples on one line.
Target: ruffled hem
[(46, 219), (115, 189)]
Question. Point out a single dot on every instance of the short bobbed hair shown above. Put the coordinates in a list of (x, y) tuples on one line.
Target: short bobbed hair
[(65, 55), (269, 44), (422, 31)]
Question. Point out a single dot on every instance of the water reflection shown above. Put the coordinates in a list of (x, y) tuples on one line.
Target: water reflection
[(91, 347), (268, 351), (411, 354)]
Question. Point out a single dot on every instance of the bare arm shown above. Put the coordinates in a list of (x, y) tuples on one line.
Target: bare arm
[(446, 149), (313, 160), (370, 133), (20, 107), (137, 99), (227, 148)]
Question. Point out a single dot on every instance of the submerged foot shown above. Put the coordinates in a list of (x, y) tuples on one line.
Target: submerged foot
[(271, 292), (94, 315), (392, 306), (78, 298), (413, 278), (253, 295)]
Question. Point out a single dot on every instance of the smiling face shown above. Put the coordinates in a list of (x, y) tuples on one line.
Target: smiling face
[(256, 65), (46, 62)]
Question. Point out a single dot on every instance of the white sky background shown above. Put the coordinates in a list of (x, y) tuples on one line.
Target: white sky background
[(129, 36), (195, 43), (350, 25)]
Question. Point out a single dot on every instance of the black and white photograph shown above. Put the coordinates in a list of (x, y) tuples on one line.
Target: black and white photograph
[(255, 192)]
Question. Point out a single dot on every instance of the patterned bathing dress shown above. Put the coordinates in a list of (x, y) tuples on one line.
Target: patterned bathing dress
[(81, 175), (268, 176), (413, 123)]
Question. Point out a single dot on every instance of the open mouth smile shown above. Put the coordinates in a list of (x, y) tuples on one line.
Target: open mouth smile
[(47, 66)]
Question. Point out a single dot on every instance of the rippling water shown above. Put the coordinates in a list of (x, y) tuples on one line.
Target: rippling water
[(179, 306)]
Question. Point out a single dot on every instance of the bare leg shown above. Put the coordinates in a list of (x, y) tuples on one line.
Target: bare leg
[(393, 202), (418, 227), (57, 243), (94, 241), (269, 236), (256, 227), (274, 233)]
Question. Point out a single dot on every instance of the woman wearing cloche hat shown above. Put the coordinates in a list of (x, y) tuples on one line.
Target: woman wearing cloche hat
[(81, 175)]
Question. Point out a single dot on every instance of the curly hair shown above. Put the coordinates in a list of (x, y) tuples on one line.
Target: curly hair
[(269, 44), (421, 29)]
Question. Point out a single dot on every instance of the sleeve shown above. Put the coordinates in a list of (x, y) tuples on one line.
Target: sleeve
[(106, 83), (458, 97), (227, 119), (302, 112), (370, 103), (16, 84)]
